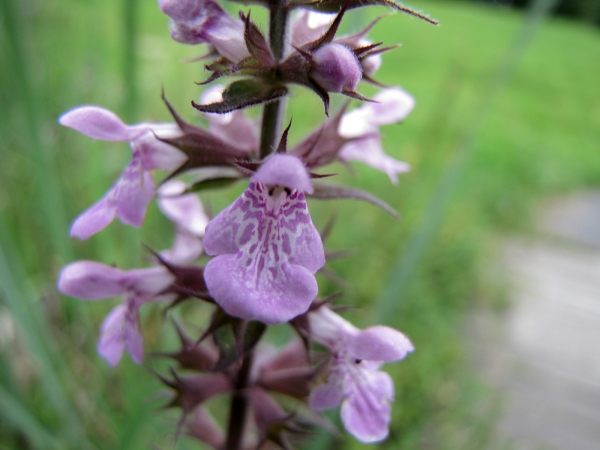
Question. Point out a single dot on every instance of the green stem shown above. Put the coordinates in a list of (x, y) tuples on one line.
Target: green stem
[(274, 112)]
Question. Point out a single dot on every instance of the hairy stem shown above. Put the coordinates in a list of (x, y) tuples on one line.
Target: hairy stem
[(239, 407), (274, 112)]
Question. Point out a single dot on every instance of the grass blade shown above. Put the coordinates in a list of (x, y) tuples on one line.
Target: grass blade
[(12, 410)]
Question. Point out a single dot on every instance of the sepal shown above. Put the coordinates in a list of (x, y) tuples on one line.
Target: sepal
[(335, 5), (328, 192), (201, 147)]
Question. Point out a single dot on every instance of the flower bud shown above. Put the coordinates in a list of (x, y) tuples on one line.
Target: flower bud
[(335, 68)]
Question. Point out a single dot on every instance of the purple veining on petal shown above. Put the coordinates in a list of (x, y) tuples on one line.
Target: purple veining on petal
[(254, 278)]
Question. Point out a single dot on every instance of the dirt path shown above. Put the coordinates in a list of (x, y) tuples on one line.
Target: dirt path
[(543, 355)]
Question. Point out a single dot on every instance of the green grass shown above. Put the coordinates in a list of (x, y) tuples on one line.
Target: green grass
[(540, 138)]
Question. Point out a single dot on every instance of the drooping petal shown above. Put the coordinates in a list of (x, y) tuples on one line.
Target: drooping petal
[(96, 218), (186, 248), (366, 411), (369, 151), (132, 333), (90, 280), (269, 252), (112, 339), (185, 210), (393, 105), (270, 295), (284, 170), (326, 396), (380, 343), (133, 192), (100, 123)]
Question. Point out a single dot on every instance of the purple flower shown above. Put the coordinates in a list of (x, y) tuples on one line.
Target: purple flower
[(186, 211), (204, 21), (335, 68), (94, 281), (266, 245), (353, 376), (361, 125), (128, 199), (309, 26)]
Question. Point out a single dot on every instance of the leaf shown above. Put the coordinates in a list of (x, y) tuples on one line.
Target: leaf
[(243, 93), (329, 192)]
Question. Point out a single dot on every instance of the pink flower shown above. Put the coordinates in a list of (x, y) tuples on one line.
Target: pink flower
[(267, 249), (353, 376), (204, 21), (186, 211), (128, 199), (94, 281), (361, 125)]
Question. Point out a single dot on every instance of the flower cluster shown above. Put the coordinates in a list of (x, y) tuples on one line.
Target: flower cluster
[(259, 255)]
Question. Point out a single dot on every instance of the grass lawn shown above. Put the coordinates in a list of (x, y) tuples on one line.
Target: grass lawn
[(541, 137)]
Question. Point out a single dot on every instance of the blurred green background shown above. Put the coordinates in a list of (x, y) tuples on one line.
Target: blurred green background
[(506, 114)]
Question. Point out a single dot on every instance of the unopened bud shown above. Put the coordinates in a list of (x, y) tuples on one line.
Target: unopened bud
[(335, 68)]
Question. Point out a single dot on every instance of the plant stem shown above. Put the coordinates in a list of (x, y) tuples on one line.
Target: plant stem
[(239, 407), (274, 112)]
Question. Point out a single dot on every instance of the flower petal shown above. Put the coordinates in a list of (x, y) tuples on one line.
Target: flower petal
[(185, 210), (369, 151), (148, 282), (100, 123), (96, 218), (366, 411), (158, 154), (90, 280), (270, 295), (133, 192), (186, 248), (284, 170), (326, 396), (394, 104), (133, 336), (112, 339), (381, 343), (269, 252)]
